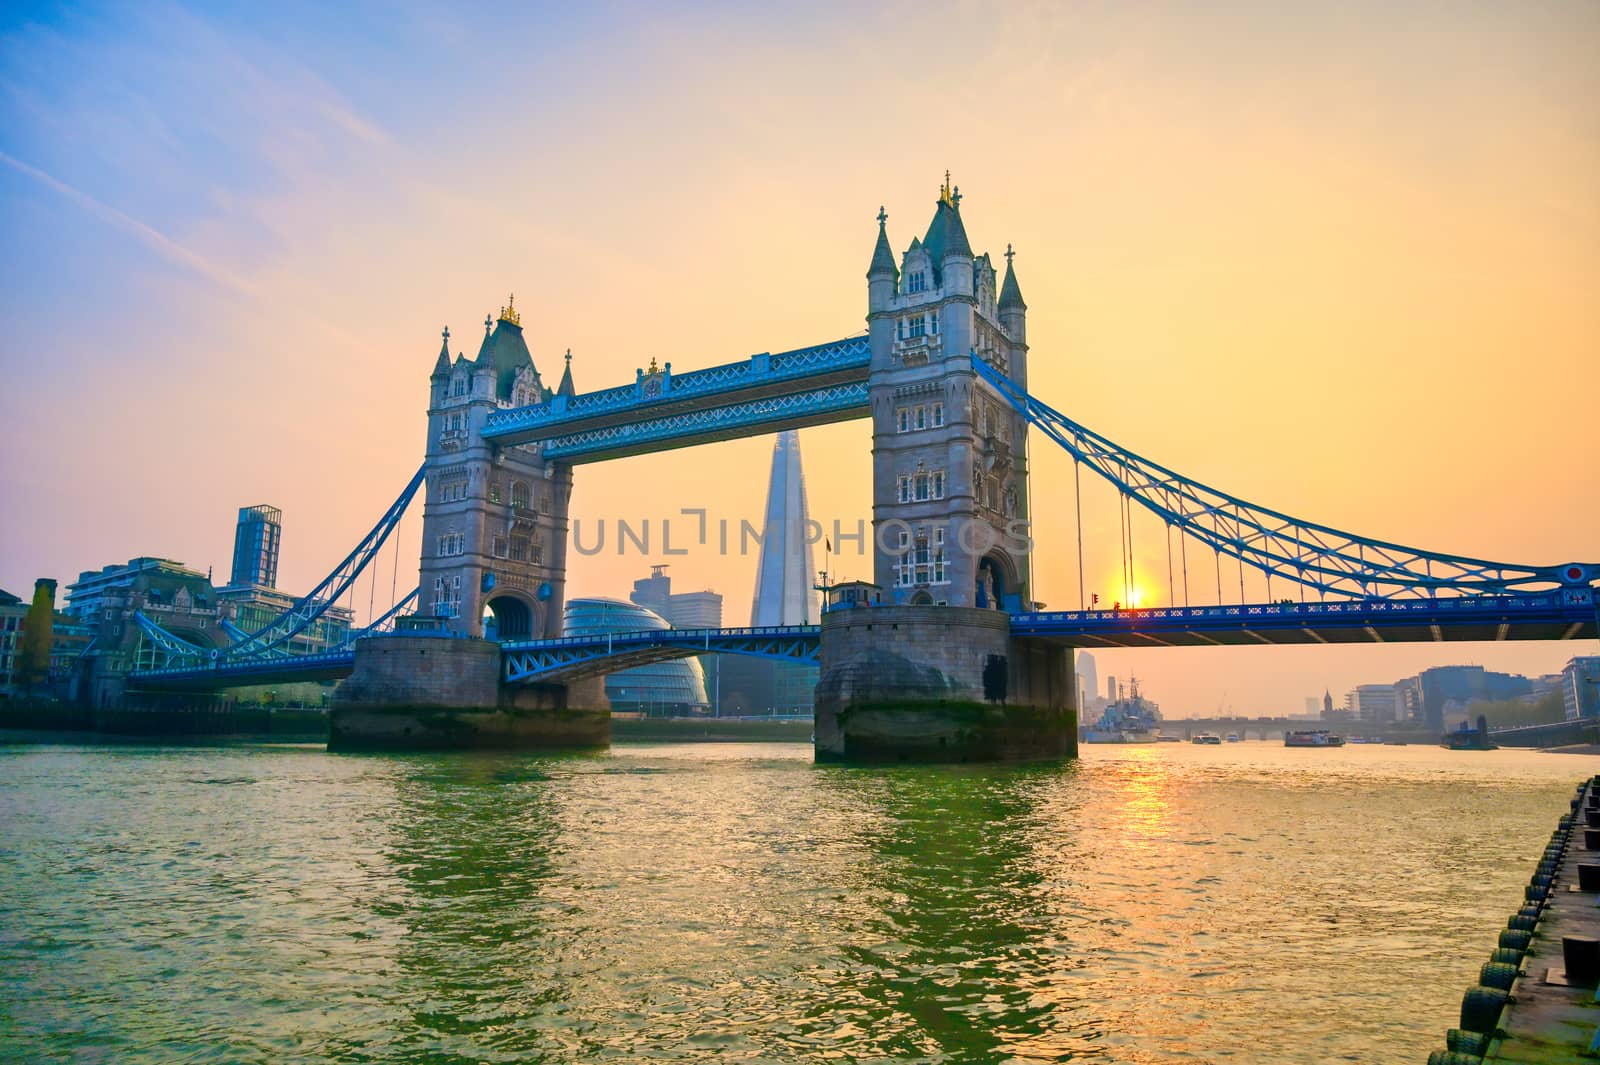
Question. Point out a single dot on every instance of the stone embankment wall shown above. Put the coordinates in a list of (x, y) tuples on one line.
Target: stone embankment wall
[(428, 692), (945, 684)]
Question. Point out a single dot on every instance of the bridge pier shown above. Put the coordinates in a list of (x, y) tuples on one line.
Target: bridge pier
[(940, 684), (433, 692)]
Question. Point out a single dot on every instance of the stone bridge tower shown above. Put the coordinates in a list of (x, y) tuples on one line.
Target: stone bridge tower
[(494, 526), (949, 454)]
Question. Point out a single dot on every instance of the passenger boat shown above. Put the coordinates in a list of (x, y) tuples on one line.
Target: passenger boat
[(1312, 737), (1232, 737), (1207, 738)]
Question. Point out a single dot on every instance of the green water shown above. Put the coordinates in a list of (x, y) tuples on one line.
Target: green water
[(1171, 903)]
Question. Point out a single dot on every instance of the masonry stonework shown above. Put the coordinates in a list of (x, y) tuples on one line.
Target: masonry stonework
[(428, 692), (949, 684)]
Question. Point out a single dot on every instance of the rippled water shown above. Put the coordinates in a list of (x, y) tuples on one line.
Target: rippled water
[(1171, 903)]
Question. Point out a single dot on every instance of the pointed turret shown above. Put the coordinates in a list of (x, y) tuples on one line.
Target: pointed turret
[(946, 241), (565, 388), (1010, 291), (955, 238), (882, 276), (441, 368), (882, 257)]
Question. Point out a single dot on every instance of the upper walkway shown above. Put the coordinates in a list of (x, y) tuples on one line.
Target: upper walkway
[(660, 411)]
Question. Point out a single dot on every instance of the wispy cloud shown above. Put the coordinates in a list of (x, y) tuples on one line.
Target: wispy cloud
[(148, 235)]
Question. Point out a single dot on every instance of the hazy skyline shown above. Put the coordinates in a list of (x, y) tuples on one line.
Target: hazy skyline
[(1339, 260)]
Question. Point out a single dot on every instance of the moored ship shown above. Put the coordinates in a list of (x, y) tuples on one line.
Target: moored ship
[(1312, 737), (1131, 719)]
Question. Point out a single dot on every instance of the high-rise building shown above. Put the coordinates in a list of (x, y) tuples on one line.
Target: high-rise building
[(686, 610), (1580, 687), (1111, 689), (1373, 704), (255, 547), (1088, 678), (785, 580), (785, 595)]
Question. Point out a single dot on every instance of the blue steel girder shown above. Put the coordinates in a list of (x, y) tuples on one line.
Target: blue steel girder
[(665, 410), (327, 665), (311, 606), (1565, 615), (1318, 557), (172, 646), (570, 657), (755, 417)]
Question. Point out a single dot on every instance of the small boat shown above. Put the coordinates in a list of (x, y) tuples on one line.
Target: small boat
[(1207, 737), (1312, 737), (1466, 738), (1233, 737), (1168, 739)]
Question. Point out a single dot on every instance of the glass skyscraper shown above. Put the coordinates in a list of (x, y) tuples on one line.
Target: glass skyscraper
[(255, 547)]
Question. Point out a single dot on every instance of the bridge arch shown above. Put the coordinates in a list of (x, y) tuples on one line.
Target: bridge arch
[(508, 616)]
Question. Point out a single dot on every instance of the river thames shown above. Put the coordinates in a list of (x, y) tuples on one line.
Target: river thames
[(1168, 903)]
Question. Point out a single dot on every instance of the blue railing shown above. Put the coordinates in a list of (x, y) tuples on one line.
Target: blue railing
[(652, 390), (815, 405)]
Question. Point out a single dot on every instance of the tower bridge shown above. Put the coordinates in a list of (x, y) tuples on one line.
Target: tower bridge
[(952, 659)]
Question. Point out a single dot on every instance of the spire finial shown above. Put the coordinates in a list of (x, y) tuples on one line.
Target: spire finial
[(447, 334), (883, 216), (488, 323), (569, 355), (508, 313), (1009, 254), (944, 191), (955, 198)]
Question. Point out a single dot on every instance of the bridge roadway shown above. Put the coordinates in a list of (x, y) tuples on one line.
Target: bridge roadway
[(1565, 615)]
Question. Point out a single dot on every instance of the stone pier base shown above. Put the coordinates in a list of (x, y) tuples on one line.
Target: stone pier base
[(426, 692), (940, 684)]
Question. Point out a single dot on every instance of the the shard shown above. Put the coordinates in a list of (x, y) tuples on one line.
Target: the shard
[(785, 577)]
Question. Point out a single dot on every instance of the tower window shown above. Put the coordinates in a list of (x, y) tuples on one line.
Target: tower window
[(938, 415)]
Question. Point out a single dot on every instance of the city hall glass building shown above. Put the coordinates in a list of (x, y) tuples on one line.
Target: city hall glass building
[(663, 688)]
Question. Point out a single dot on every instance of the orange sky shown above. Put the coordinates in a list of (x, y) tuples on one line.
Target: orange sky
[(1338, 260)]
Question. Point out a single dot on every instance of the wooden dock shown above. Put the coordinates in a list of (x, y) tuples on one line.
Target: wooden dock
[(1536, 1000)]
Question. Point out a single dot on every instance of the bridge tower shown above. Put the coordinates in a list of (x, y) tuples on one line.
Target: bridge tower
[(494, 526), (949, 454)]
